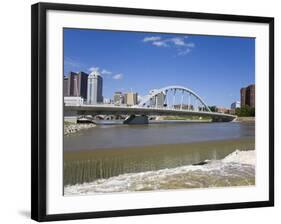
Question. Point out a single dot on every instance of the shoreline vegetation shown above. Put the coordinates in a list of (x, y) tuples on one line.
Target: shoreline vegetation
[(87, 166)]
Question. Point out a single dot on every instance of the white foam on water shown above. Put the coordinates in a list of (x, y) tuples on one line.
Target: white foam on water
[(237, 164), (243, 157)]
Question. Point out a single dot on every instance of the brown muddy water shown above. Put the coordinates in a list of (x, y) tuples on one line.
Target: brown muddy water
[(152, 157)]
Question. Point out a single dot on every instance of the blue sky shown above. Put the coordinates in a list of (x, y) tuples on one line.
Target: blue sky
[(215, 67)]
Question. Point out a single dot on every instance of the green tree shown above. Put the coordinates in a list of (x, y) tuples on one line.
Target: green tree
[(213, 108), (252, 111), (245, 111)]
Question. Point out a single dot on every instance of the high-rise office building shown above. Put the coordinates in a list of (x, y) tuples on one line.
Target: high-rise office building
[(251, 95), (82, 79), (72, 84), (243, 97), (76, 84), (247, 95), (94, 91), (131, 98)]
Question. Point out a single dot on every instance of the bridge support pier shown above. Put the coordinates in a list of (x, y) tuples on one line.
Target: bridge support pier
[(136, 119)]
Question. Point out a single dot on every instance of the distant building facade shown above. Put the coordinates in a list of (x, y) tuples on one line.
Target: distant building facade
[(185, 107), (131, 98), (65, 86), (250, 94), (118, 98), (82, 81), (75, 84), (225, 110), (235, 105), (73, 101), (243, 97), (247, 95), (94, 89), (106, 100), (157, 101)]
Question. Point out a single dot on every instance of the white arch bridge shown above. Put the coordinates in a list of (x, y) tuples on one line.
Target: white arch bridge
[(167, 101)]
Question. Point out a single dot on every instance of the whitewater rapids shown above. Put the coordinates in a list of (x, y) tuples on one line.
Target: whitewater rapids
[(236, 169)]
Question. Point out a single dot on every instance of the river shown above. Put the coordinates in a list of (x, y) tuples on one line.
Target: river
[(134, 156), (110, 136)]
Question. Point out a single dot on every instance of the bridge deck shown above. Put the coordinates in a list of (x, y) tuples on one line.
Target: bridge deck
[(121, 110)]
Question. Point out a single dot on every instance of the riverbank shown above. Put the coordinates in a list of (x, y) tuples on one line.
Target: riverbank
[(236, 169), (156, 121), (184, 118), (70, 128), (178, 121), (245, 119)]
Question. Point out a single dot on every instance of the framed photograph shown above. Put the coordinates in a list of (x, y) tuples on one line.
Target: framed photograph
[(140, 111)]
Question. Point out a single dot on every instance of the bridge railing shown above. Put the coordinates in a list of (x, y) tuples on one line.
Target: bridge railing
[(147, 108)]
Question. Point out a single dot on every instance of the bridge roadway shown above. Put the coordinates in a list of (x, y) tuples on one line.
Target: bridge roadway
[(125, 110)]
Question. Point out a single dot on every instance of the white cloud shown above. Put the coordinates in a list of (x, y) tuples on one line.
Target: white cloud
[(179, 42), (103, 71), (93, 69), (148, 39), (190, 44), (183, 52), (118, 76), (160, 43), (106, 72)]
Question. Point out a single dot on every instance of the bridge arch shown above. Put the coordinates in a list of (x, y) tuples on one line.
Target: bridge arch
[(164, 90)]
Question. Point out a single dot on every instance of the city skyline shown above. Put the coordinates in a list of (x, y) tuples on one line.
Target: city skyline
[(140, 62)]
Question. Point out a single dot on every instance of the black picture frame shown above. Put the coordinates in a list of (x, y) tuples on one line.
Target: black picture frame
[(39, 107)]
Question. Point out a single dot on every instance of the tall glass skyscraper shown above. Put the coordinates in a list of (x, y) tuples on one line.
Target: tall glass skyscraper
[(94, 94)]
